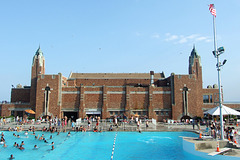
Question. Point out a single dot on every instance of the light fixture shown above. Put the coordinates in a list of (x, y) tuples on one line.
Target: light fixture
[(224, 61), (221, 49)]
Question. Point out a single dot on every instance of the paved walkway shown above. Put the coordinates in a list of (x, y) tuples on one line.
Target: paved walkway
[(104, 126)]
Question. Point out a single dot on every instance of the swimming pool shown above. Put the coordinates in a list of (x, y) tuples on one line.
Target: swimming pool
[(99, 146)]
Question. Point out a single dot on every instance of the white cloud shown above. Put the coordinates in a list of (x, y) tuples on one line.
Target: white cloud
[(171, 37), (180, 39), (183, 40), (156, 35), (193, 36), (201, 38)]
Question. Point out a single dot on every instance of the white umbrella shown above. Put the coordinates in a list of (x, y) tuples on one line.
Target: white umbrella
[(226, 111)]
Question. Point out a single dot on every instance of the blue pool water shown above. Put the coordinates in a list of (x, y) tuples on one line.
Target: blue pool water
[(99, 146)]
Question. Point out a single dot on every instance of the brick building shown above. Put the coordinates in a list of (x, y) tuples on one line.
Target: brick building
[(108, 94)]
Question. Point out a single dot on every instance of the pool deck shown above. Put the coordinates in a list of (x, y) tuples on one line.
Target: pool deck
[(122, 127), (206, 144), (209, 146)]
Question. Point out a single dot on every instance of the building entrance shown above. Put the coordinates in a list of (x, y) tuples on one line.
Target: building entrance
[(71, 115)]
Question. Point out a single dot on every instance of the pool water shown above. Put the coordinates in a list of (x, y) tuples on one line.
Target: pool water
[(99, 146)]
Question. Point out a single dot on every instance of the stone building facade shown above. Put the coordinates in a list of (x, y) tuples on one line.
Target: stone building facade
[(108, 94)]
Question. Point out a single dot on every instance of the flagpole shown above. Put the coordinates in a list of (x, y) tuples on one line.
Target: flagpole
[(219, 78)]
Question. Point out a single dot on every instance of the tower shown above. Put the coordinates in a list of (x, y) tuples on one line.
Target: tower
[(195, 66), (38, 68)]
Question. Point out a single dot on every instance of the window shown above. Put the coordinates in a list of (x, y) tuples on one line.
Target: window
[(205, 98), (211, 101), (111, 112), (162, 113), (166, 113)]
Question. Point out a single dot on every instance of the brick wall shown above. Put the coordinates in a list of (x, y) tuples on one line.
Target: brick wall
[(53, 81), (7, 108), (20, 95)]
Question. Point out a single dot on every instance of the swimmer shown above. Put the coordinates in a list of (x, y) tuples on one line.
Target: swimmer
[(18, 136), (26, 133), (2, 139), (69, 134), (22, 143), (51, 137), (58, 133), (52, 143), (5, 146), (15, 144), (40, 138), (53, 147), (45, 141), (14, 135), (35, 147), (21, 147), (11, 157)]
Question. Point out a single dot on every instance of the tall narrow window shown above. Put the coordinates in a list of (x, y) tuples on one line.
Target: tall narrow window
[(185, 100), (205, 98)]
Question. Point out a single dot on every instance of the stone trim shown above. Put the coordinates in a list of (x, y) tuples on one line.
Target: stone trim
[(138, 109), (161, 92), (18, 109), (156, 109), (138, 92), (113, 109), (93, 92), (93, 109), (116, 92), (70, 92), (69, 109)]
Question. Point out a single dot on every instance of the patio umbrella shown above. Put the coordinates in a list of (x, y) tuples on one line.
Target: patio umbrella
[(226, 111), (29, 111)]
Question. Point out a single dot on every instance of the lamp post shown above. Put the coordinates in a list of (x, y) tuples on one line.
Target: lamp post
[(216, 54)]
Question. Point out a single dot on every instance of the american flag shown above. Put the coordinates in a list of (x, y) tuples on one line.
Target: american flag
[(212, 9)]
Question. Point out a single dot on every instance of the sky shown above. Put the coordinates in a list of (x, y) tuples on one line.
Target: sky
[(118, 36)]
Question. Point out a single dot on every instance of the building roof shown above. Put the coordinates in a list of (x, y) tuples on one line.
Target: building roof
[(193, 55), (39, 55), (39, 52), (115, 76), (194, 52)]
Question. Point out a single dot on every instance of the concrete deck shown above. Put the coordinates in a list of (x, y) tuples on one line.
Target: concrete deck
[(210, 146)]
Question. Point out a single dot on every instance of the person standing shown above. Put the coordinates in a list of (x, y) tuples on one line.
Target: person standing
[(138, 124), (4, 120), (193, 123), (89, 123)]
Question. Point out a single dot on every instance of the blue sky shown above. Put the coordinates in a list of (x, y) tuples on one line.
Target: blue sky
[(118, 36)]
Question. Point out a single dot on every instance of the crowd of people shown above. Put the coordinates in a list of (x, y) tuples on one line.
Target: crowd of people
[(214, 128), (26, 133)]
